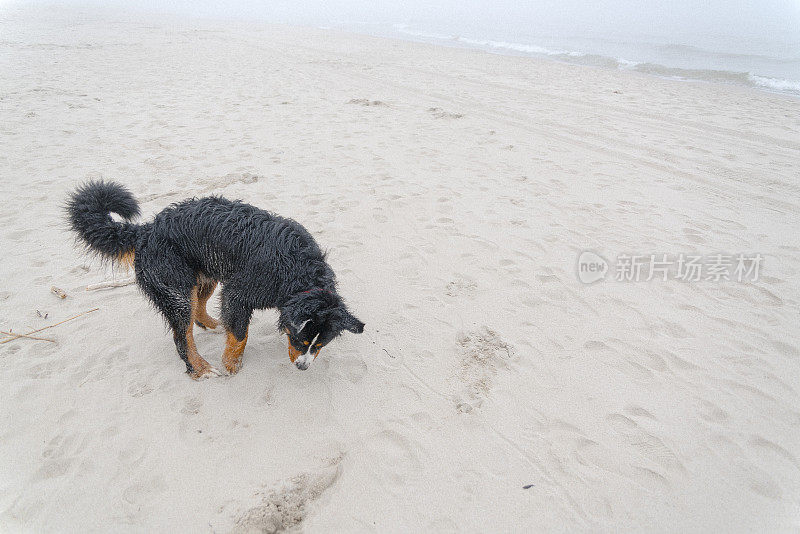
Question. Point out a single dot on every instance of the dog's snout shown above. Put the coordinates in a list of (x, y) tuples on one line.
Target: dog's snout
[(302, 365)]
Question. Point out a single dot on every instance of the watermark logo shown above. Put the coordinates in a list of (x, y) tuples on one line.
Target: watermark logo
[(591, 267), (681, 267)]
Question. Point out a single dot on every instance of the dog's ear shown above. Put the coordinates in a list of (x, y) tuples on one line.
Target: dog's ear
[(352, 324)]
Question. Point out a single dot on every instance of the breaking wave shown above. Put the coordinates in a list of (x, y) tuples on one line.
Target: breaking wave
[(597, 60)]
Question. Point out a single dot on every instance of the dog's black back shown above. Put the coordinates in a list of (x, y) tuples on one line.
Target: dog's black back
[(269, 257)]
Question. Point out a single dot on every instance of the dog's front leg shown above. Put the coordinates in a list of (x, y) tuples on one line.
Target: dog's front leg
[(236, 318), (232, 357)]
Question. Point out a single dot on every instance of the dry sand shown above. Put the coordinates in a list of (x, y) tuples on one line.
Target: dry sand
[(454, 190)]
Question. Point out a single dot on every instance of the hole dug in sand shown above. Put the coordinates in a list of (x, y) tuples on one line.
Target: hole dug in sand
[(482, 352), (284, 508)]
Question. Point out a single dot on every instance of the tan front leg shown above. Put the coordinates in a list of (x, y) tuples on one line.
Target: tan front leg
[(232, 357)]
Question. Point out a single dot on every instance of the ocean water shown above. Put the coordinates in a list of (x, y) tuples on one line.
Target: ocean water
[(764, 62)]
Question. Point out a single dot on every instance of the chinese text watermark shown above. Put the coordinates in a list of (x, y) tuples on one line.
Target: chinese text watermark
[(718, 267)]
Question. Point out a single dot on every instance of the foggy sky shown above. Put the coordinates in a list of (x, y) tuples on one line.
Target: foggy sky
[(774, 18)]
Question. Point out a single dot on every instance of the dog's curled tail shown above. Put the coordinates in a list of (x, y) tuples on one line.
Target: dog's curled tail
[(89, 209)]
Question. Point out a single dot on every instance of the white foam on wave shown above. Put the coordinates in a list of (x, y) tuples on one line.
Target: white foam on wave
[(403, 28), (516, 47), (775, 84), (599, 60)]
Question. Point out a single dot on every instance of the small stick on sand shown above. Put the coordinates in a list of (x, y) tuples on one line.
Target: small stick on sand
[(382, 348), (26, 336), (111, 283), (17, 336)]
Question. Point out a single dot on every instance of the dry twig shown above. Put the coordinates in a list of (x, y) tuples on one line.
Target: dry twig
[(111, 283), (17, 336), (26, 336)]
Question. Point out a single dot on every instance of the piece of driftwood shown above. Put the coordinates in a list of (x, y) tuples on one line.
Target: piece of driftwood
[(27, 334), (111, 283)]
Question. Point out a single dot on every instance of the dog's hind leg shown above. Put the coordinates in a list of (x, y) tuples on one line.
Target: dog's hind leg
[(236, 319), (197, 367), (169, 281), (179, 310), (205, 288), (180, 314)]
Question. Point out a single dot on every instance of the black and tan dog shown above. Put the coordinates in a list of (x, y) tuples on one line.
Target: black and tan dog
[(261, 260)]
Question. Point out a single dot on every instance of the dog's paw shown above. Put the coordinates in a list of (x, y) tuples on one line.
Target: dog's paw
[(208, 372), (233, 367)]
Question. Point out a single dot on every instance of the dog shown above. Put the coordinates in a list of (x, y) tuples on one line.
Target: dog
[(260, 259)]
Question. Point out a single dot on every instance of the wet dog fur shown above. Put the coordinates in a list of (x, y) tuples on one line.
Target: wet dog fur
[(262, 261)]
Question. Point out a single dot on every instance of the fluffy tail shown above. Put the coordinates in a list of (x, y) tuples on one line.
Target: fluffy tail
[(89, 209)]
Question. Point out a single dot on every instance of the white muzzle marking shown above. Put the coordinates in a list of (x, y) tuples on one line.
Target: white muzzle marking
[(304, 361)]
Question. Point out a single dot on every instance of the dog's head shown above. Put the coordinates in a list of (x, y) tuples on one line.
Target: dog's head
[(312, 319)]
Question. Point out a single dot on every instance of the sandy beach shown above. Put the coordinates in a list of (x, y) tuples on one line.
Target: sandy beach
[(454, 189)]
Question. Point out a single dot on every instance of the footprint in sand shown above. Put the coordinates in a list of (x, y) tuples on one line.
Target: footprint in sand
[(460, 286), (402, 454), (143, 492), (646, 444), (439, 113), (59, 455), (192, 405), (219, 182), (366, 102), (139, 389), (379, 216)]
